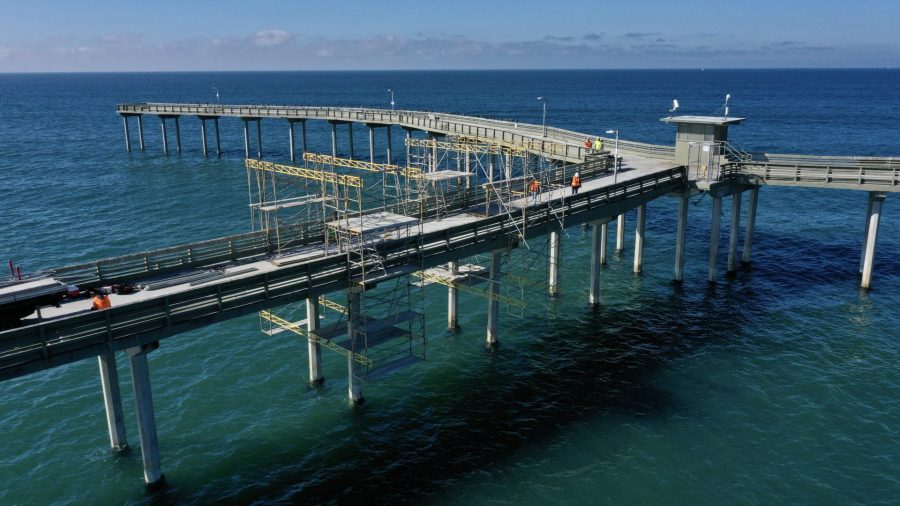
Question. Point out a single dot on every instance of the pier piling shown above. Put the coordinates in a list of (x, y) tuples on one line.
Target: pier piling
[(315, 350), (246, 139), (598, 252), (620, 234), (494, 301), (452, 297), (203, 137), (140, 119), (733, 233), (371, 143), (259, 139), (603, 242), (354, 318), (714, 238), (112, 400), (333, 139), (143, 399), (876, 201), (639, 238), (218, 142), (751, 222), (680, 236), (165, 139), (291, 140), (390, 154), (127, 135), (178, 134), (554, 263)]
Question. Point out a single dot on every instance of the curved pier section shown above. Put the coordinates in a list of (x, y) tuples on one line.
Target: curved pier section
[(493, 199)]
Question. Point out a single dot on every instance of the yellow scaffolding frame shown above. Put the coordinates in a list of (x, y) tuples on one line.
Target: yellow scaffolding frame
[(299, 330), (468, 289), (410, 172), (312, 174)]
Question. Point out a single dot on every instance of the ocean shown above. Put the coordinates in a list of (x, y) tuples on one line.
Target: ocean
[(781, 385)]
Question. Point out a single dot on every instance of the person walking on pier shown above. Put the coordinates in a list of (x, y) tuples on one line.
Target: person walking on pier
[(534, 187), (576, 183), (100, 302)]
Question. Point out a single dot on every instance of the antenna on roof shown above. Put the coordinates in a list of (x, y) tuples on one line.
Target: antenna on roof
[(674, 107), (727, 98)]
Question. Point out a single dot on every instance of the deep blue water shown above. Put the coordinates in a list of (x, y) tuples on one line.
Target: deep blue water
[(779, 386)]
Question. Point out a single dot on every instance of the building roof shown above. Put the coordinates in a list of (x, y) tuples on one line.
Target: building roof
[(703, 120)]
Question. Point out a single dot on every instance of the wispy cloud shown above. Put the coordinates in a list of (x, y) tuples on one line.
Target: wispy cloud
[(279, 49)]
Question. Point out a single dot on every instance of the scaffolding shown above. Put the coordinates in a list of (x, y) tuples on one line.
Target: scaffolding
[(382, 322)]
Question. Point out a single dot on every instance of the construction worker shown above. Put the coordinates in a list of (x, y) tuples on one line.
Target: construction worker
[(576, 183), (534, 187), (100, 301), (598, 144)]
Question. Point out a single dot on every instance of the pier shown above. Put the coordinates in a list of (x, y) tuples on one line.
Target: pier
[(342, 240)]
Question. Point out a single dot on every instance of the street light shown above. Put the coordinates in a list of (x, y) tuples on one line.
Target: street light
[(392, 98), (544, 117), (615, 156), (217, 94)]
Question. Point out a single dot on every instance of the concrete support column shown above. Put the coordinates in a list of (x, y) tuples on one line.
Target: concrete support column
[(508, 161), (390, 154), (680, 236), (598, 246), (350, 136), (714, 238), (165, 138), (620, 233), (408, 137), (493, 301), (603, 234), (291, 140), (862, 255), (303, 135), (354, 389), (246, 140), (554, 263), (491, 159), (639, 238), (141, 130), (468, 169), (178, 134), (733, 233), (334, 140), (371, 144), (203, 136), (127, 134), (143, 399), (218, 139), (315, 350), (112, 400), (452, 297), (259, 141), (751, 222), (434, 154), (876, 202)]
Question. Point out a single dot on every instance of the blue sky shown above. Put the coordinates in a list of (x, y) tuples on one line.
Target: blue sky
[(103, 35)]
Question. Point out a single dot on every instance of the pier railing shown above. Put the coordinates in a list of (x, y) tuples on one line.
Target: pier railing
[(865, 173)]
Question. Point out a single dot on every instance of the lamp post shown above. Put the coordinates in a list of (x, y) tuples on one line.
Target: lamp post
[(217, 94), (615, 156), (544, 117), (392, 99)]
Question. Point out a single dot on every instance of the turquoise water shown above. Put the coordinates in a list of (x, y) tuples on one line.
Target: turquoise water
[(779, 386)]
